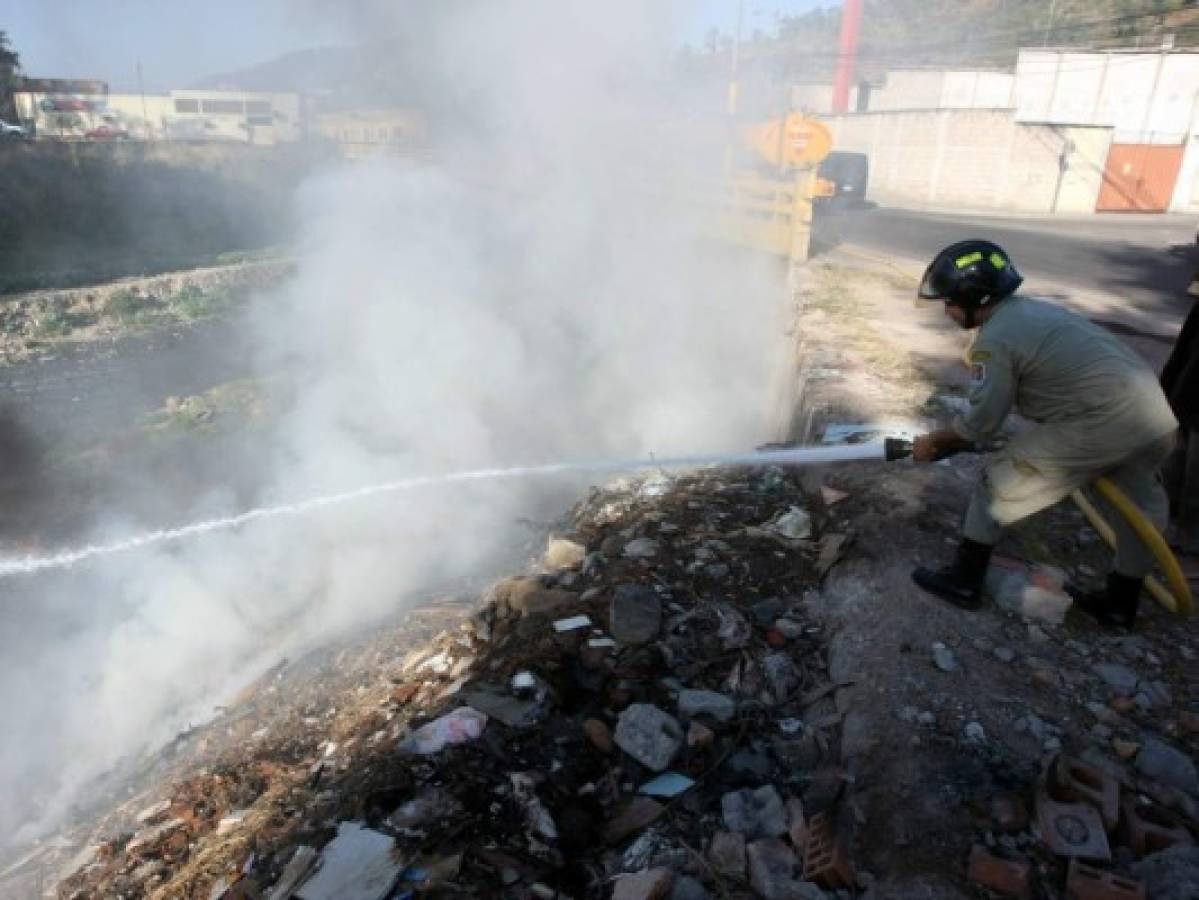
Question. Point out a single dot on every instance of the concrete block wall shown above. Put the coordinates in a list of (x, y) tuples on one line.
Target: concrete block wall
[(976, 159)]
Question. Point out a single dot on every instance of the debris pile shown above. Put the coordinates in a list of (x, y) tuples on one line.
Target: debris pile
[(649, 714)]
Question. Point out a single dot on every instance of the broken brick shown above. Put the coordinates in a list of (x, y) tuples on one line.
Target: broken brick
[(1084, 882), (825, 860), (1012, 878), (652, 884), (1074, 781), (637, 814), (1148, 828)]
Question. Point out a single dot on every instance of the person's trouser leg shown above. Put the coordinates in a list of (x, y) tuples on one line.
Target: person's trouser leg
[(1138, 479), (1181, 474)]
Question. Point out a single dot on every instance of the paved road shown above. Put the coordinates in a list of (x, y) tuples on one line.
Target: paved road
[(1147, 259)]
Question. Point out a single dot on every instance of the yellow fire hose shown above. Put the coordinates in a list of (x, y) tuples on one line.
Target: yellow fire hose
[(1178, 597)]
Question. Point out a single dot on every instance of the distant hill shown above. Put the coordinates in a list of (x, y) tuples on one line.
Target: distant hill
[(337, 77)]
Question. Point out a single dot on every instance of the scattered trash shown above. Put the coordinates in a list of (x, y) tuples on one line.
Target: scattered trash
[(358, 864), (574, 623), (669, 784), (795, 524), (462, 725)]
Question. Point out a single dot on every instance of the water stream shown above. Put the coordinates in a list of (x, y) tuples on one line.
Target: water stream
[(787, 456)]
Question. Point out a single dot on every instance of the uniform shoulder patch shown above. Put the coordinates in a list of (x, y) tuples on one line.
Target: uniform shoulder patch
[(978, 374), (979, 356)]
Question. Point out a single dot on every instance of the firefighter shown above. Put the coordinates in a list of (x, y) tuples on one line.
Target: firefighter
[(1180, 381), (1097, 407)]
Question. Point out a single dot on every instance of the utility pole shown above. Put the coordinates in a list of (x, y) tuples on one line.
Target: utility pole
[(851, 24), (141, 88), (735, 61), (1049, 23), (734, 65)]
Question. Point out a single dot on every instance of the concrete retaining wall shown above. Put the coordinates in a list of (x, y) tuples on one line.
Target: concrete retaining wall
[(979, 159)]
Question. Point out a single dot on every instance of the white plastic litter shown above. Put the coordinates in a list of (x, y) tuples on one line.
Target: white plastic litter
[(458, 727)]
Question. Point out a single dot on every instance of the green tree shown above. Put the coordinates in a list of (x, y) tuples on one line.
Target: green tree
[(10, 64)]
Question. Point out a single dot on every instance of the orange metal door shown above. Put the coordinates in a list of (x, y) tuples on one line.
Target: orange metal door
[(1139, 177)]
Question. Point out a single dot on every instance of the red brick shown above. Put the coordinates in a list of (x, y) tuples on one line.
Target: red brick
[(825, 861), (1148, 827), (1012, 878), (1088, 883), (1073, 780)]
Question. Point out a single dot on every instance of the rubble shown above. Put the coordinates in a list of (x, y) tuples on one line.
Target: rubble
[(673, 706), (650, 736)]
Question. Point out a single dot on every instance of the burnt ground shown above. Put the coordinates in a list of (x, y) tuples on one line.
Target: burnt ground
[(901, 732)]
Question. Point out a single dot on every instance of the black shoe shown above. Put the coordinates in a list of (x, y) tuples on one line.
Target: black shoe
[(961, 583), (1115, 608)]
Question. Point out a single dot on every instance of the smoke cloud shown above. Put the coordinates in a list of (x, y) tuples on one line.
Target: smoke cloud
[(544, 290)]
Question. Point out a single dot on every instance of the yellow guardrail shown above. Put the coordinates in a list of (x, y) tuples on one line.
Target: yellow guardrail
[(772, 215)]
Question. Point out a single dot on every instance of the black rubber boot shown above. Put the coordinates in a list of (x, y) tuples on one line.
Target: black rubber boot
[(961, 583), (1116, 608)]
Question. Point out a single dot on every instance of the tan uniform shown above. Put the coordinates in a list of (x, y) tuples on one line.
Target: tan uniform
[(1099, 411)]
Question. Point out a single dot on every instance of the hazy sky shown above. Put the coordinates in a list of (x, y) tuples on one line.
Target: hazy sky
[(180, 41)]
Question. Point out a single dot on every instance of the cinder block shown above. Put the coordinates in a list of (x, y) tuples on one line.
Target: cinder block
[(1012, 878), (1148, 828), (825, 861), (1071, 829), (1088, 883), (1074, 781)]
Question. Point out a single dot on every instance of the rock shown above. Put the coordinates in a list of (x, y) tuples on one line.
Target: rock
[(1117, 676), (1157, 693), (975, 733), (766, 611), (734, 631), (688, 888), (652, 884), (1172, 874), (748, 766), (726, 853), (1035, 593), (700, 735), (636, 614), (769, 860), (781, 675), (772, 867), (1009, 813), (1162, 762), (789, 628), (641, 548), (1004, 654), (1125, 749), (755, 813), (529, 600), (599, 734), (650, 736), (694, 703), (797, 822), (635, 815), (943, 658), (563, 554)]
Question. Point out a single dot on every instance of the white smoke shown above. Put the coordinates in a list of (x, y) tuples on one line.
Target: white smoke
[(542, 292)]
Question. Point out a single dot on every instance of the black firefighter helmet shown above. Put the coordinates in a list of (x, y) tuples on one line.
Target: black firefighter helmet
[(970, 274)]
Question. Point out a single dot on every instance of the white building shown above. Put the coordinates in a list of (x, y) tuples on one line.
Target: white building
[(74, 110)]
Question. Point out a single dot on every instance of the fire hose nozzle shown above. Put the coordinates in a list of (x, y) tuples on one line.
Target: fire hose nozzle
[(896, 448)]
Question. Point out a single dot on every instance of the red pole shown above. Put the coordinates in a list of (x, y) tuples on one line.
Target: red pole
[(851, 23)]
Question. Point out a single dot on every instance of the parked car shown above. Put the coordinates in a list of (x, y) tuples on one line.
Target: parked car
[(850, 176), (107, 133), (9, 132)]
